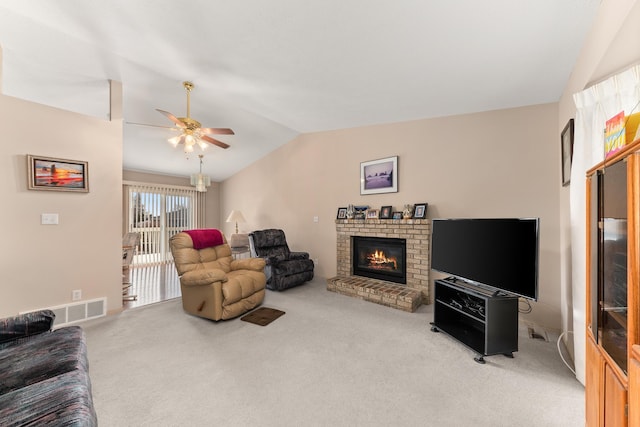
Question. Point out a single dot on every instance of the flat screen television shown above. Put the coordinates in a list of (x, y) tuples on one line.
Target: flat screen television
[(499, 253)]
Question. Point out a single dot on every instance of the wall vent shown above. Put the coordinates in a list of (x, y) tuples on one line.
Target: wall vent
[(77, 311)]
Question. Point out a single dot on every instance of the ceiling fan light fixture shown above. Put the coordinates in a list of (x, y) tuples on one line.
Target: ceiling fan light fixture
[(191, 130), (175, 140)]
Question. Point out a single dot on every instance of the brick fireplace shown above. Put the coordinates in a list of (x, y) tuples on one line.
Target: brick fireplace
[(416, 233)]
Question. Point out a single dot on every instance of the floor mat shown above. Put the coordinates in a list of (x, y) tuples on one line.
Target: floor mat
[(262, 316)]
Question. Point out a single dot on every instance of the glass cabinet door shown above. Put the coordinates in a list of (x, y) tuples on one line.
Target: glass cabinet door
[(612, 283)]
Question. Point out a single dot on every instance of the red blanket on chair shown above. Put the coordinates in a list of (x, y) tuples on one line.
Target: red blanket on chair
[(205, 238)]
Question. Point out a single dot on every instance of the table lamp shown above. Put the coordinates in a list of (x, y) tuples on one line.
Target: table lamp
[(236, 216)]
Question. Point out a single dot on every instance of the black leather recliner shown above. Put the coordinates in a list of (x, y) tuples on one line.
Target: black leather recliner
[(284, 269)]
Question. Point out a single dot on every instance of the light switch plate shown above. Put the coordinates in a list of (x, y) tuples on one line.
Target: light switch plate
[(49, 219)]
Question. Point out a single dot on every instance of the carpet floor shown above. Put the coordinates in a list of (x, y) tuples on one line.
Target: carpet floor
[(331, 360)]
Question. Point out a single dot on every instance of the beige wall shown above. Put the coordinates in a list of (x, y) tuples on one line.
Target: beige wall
[(612, 45), (492, 164), (489, 164), (212, 209), (42, 264), (315, 174)]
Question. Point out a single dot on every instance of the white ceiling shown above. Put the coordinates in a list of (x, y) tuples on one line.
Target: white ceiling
[(273, 69)]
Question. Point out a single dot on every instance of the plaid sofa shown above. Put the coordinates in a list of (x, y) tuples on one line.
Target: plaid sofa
[(44, 374)]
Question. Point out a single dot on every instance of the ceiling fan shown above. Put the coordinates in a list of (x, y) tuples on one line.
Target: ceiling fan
[(191, 131)]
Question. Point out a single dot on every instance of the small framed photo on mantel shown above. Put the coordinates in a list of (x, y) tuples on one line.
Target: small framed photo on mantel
[(420, 211), (386, 212)]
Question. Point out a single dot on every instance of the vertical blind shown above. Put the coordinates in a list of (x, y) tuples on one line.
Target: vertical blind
[(158, 212)]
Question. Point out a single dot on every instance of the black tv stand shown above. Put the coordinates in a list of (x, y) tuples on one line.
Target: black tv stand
[(485, 322)]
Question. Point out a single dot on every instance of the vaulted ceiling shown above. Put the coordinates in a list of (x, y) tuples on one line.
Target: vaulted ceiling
[(271, 70)]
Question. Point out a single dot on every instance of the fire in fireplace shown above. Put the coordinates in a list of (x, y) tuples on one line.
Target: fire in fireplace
[(379, 258)]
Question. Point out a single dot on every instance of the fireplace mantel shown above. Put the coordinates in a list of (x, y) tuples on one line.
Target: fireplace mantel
[(415, 231)]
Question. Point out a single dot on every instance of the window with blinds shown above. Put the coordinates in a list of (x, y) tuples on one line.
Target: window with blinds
[(158, 212)]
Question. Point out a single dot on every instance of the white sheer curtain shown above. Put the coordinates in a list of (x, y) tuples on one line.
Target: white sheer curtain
[(593, 107)]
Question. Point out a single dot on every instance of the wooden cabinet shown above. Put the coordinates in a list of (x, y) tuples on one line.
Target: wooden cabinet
[(615, 398), (613, 224), (593, 390), (634, 386)]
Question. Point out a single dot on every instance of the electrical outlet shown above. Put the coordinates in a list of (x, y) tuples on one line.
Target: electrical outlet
[(76, 295), (315, 261)]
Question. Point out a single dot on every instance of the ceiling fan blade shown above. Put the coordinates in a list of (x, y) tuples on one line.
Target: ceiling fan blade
[(155, 126), (214, 141), (218, 131), (171, 117)]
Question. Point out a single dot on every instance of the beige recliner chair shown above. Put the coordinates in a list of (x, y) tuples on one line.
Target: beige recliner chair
[(213, 284)]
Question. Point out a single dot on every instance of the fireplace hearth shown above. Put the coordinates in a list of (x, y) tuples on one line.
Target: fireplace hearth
[(380, 258), (407, 297)]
